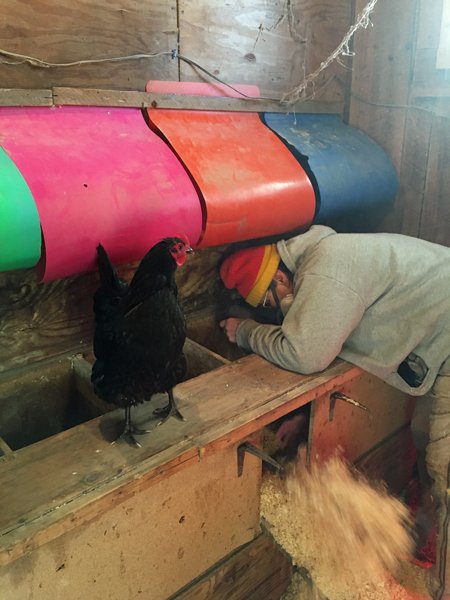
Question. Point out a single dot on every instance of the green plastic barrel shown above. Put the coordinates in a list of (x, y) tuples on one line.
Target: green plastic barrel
[(20, 230)]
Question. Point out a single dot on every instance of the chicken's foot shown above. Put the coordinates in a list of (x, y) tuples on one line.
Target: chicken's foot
[(171, 410), (130, 430)]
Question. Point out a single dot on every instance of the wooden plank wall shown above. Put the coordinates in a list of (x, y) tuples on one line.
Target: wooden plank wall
[(62, 31), (42, 321), (270, 43), (401, 100)]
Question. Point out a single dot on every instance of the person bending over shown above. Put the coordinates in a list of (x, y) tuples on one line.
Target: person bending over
[(377, 300)]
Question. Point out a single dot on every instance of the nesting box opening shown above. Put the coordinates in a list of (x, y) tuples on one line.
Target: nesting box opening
[(42, 400)]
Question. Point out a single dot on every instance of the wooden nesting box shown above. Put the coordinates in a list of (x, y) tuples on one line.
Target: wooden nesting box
[(84, 518)]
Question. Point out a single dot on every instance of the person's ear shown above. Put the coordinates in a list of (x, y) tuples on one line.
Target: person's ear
[(282, 277)]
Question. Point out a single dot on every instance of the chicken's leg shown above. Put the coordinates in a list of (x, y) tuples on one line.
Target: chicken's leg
[(130, 430), (171, 410)]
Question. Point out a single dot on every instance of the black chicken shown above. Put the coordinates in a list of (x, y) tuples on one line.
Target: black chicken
[(140, 331)]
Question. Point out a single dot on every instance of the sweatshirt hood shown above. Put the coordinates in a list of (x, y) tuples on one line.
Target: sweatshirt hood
[(292, 251)]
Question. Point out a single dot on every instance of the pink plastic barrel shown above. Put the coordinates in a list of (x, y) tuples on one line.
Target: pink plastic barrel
[(98, 175)]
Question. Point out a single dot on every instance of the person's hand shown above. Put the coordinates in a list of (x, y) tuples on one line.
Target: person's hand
[(230, 326), (289, 432)]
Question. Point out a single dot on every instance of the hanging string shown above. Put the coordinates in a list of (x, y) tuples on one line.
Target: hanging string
[(362, 22)]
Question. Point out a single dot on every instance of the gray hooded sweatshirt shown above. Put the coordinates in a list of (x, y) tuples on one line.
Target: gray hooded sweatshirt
[(380, 301)]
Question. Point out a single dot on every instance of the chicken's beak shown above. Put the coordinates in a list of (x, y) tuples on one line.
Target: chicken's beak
[(189, 250)]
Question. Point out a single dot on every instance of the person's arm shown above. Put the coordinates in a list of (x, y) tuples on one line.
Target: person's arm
[(322, 316), (260, 314)]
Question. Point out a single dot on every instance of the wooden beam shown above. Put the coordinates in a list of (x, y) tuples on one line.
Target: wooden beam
[(184, 101), (18, 97), (60, 96), (95, 97)]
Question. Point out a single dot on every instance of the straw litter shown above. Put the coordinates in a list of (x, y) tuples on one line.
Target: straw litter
[(348, 535)]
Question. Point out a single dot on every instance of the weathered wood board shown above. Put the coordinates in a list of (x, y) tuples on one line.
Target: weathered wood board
[(67, 96), (42, 321), (61, 32), (151, 544), (400, 99), (351, 428), (381, 71), (272, 44), (258, 570), (391, 461), (426, 152), (407, 211), (436, 211), (427, 80), (25, 97)]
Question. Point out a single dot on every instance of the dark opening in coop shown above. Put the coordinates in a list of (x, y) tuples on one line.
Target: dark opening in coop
[(39, 401)]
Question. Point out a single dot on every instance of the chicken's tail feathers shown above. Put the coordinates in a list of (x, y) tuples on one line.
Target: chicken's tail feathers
[(107, 271), (102, 255)]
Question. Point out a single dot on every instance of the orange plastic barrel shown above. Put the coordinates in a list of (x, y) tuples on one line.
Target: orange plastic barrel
[(249, 182)]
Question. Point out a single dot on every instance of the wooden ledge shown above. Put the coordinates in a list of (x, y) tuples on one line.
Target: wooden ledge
[(61, 96), (57, 484)]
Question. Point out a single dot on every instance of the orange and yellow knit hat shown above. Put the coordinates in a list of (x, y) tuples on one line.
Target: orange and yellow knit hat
[(250, 271)]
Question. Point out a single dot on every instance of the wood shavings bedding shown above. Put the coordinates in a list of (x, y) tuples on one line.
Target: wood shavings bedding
[(349, 535)]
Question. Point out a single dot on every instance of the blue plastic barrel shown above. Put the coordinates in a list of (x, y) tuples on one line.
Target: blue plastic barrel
[(354, 179)]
